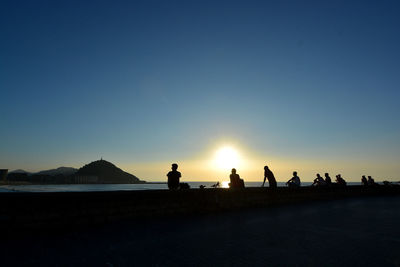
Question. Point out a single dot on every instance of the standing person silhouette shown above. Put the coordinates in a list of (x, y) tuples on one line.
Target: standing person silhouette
[(268, 174), (173, 177)]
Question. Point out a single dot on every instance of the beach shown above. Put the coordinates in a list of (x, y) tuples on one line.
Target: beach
[(346, 232)]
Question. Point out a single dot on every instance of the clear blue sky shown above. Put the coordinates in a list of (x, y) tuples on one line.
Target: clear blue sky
[(154, 82)]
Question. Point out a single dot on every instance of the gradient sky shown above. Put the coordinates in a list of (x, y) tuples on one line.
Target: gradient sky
[(311, 86)]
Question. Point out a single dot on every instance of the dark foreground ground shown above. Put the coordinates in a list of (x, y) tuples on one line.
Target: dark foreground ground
[(349, 232)]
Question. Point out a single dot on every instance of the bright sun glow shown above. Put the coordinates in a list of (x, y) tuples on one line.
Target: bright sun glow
[(225, 184), (227, 158)]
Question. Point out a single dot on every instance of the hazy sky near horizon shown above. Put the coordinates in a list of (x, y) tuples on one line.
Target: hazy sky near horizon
[(311, 86)]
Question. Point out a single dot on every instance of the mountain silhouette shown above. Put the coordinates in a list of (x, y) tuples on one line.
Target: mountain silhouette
[(107, 173), (19, 171), (66, 171)]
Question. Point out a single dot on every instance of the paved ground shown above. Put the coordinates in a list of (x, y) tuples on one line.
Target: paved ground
[(352, 232)]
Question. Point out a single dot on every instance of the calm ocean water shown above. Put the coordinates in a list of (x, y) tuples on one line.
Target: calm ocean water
[(115, 187)]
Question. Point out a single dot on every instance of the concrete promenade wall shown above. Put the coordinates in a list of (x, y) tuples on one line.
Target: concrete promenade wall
[(68, 209)]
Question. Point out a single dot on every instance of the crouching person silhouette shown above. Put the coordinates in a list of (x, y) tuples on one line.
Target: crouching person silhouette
[(236, 182), (173, 177)]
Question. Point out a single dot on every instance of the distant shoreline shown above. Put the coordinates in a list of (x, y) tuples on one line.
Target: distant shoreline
[(30, 183)]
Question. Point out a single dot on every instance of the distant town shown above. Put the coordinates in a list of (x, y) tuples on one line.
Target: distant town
[(96, 172)]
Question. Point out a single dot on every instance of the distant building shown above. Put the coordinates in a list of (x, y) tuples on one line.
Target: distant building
[(17, 177), (86, 179), (3, 174)]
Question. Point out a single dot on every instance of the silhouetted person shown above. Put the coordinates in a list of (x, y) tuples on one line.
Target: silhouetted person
[(294, 182), (340, 181), (319, 181), (236, 182), (270, 176), (328, 179), (371, 181), (173, 177), (364, 181)]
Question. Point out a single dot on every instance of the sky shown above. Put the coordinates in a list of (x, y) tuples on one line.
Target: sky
[(311, 86)]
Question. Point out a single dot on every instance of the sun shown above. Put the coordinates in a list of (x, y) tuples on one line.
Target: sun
[(226, 158)]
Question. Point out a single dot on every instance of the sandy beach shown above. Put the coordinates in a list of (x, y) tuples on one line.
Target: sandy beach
[(348, 232)]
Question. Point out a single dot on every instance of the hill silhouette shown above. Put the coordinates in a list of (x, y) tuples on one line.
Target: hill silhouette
[(59, 171), (19, 171), (107, 173)]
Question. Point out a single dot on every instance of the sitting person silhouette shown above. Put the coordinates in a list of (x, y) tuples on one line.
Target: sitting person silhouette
[(364, 181), (270, 176), (236, 182), (319, 181), (294, 182), (340, 181), (328, 179), (173, 177), (371, 181)]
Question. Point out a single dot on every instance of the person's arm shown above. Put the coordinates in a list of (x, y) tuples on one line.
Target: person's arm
[(265, 177)]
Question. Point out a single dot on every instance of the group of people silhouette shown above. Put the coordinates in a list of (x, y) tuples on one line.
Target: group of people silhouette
[(236, 182), (319, 181), (368, 182)]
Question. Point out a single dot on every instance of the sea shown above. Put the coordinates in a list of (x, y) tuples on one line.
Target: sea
[(120, 187)]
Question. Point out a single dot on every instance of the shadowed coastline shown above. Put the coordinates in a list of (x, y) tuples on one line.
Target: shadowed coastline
[(96, 172)]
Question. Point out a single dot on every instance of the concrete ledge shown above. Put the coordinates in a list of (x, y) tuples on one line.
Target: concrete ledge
[(68, 209)]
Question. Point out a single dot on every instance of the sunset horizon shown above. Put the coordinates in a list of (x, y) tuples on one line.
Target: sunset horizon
[(311, 87), (200, 133)]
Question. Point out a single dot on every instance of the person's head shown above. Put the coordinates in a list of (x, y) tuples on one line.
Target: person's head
[(369, 177), (326, 174), (174, 166), (294, 173), (266, 167), (233, 170), (318, 176), (363, 177)]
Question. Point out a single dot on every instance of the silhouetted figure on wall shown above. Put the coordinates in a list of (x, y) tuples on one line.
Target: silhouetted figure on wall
[(294, 182), (319, 181), (328, 179), (236, 182), (173, 177), (340, 181), (371, 181), (270, 176), (364, 181)]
